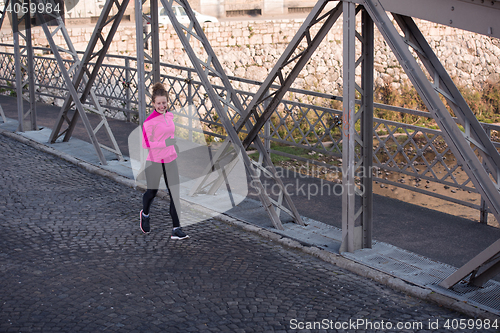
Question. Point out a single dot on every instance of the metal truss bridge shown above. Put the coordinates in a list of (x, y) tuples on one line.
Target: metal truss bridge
[(245, 117)]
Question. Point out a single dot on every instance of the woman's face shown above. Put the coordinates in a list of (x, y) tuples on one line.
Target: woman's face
[(160, 104)]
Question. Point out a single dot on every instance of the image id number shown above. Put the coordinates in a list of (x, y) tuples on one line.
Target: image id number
[(33, 8), (462, 324)]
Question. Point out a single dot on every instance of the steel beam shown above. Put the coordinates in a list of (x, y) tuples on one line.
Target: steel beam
[(155, 41), (289, 56), (366, 131), (472, 15), (480, 269), (3, 12), (2, 115), (91, 53), (458, 141), (350, 234), (228, 107), (352, 229), (24, 70), (93, 98), (444, 85), (85, 78), (357, 146), (144, 38), (141, 72), (72, 90)]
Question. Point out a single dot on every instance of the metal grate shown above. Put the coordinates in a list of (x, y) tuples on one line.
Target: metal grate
[(425, 272)]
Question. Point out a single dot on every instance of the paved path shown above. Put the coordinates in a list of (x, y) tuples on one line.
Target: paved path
[(74, 260)]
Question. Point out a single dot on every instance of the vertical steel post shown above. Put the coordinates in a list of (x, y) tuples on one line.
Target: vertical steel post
[(141, 39), (19, 73), (367, 126), (25, 75), (31, 72), (155, 41), (350, 241), (141, 73)]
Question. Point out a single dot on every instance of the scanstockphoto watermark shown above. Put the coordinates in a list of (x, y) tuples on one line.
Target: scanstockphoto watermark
[(327, 185), (355, 324), (451, 324)]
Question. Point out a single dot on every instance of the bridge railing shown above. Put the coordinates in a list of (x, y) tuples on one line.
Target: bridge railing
[(306, 126)]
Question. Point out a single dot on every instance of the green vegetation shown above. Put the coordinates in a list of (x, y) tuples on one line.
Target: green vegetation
[(300, 152), (485, 103)]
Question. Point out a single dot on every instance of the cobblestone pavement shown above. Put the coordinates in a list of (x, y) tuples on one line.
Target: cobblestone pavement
[(73, 259)]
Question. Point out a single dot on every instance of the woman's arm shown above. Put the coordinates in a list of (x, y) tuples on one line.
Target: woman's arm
[(149, 140)]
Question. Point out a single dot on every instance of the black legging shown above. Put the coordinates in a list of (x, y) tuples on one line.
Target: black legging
[(170, 173)]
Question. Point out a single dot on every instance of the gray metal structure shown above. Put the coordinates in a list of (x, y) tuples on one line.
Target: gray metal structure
[(27, 71), (357, 163), (24, 70), (144, 38), (83, 78), (229, 109), (464, 145), (427, 75)]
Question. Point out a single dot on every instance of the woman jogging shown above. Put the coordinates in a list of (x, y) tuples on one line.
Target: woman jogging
[(158, 137)]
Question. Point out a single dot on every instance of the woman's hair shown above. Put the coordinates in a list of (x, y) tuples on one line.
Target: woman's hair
[(158, 90)]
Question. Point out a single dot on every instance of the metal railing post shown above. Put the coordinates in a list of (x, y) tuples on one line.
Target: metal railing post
[(190, 104), (483, 211), (267, 128), (126, 85)]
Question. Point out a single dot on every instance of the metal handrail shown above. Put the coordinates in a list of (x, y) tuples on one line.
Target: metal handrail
[(122, 94)]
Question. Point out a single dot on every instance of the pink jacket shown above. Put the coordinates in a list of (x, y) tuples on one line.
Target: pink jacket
[(158, 127)]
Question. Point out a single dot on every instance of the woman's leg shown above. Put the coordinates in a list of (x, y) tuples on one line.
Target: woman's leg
[(171, 175), (153, 175), (147, 200)]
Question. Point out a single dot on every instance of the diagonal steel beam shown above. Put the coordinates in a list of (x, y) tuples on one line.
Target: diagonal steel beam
[(93, 98), (304, 33), (2, 18), (73, 86), (444, 85), (90, 54), (67, 78), (455, 138), (224, 105), (481, 268)]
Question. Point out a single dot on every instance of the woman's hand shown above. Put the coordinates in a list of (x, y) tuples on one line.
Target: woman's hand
[(170, 142)]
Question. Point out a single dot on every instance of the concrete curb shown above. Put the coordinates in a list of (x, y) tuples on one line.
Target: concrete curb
[(333, 258)]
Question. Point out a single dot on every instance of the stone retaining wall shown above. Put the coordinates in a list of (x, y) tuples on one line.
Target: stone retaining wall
[(250, 49)]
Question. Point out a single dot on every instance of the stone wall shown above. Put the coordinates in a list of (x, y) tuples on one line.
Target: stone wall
[(250, 49)]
